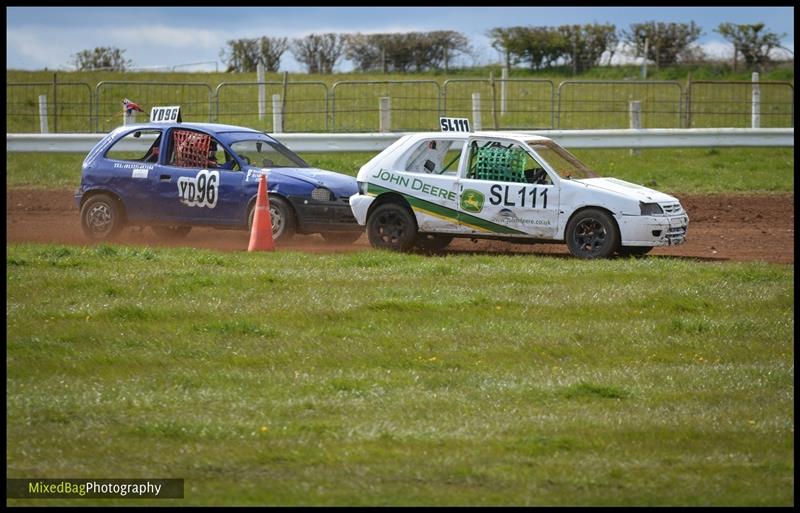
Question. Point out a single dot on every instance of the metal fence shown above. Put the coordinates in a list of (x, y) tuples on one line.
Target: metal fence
[(587, 104), (413, 105), (195, 99), (301, 106), (502, 104), (716, 104), (69, 106)]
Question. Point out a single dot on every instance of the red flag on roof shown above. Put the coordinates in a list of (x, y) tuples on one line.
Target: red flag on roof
[(129, 106)]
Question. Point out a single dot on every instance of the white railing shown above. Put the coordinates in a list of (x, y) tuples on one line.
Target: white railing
[(328, 143)]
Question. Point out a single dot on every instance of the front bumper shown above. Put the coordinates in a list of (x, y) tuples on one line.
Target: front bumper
[(359, 203), (329, 216), (653, 230)]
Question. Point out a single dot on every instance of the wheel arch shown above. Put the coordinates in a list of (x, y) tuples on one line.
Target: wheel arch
[(591, 207), (108, 192), (392, 197)]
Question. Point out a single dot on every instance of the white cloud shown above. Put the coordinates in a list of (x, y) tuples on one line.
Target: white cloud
[(172, 37), (34, 50)]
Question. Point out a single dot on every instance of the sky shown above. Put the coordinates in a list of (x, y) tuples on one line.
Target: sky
[(191, 37)]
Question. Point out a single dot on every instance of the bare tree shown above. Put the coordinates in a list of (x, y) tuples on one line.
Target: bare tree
[(667, 43), (749, 40), (319, 52), (270, 51), (104, 57)]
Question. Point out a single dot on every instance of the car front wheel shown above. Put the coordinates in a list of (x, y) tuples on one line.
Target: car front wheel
[(102, 217), (592, 233), (282, 217), (391, 226)]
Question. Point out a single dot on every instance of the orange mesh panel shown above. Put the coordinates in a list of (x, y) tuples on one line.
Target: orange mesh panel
[(191, 148)]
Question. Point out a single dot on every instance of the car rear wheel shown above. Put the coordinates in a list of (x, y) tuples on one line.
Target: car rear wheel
[(172, 232), (341, 237), (282, 217), (634, 251), (391, 226), (102, 217), (592, 233), (430, 242)]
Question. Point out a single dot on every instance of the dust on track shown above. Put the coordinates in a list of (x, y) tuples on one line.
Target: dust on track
[(735, 227)]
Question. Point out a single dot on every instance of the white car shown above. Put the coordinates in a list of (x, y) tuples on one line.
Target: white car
[(427, 188)]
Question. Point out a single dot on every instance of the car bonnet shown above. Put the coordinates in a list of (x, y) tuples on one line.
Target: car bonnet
[(341, 185)]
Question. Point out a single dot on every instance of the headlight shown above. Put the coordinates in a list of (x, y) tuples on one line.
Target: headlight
[(321, 194), (650, 209)]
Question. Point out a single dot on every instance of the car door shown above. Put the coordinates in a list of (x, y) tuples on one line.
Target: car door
[(504, 190), (188, 186), (428, 177)]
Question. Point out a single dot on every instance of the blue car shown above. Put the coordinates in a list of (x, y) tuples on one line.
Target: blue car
[(172, 176)]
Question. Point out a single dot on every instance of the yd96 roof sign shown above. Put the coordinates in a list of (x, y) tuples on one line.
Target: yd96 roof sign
[(165, 114), (454, 124)]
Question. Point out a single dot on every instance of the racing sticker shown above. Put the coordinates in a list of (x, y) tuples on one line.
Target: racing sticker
[(472, 200), (139, 173), (201, 190)]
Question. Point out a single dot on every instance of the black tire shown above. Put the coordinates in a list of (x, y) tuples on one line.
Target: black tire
[(592, 233), (284, 223), (341, 237), (171, 232), (430, 242), (634, 251), (102, 217), (391, 226)]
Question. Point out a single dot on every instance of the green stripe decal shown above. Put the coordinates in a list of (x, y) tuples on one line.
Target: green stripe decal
[(455, 215)]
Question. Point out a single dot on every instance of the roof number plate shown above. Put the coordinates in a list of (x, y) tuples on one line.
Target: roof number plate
[(165, 114), (454, 124)]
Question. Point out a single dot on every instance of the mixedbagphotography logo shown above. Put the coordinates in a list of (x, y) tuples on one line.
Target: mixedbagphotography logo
[(94, 488)]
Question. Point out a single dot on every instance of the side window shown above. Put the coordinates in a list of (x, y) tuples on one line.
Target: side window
[(138, 146), (435, 156), (198, 150), (504, 162)]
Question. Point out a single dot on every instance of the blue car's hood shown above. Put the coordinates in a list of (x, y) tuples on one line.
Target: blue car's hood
[(341, 185)]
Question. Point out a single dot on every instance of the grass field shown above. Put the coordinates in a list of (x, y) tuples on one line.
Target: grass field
[(386, 379), (688, 170)]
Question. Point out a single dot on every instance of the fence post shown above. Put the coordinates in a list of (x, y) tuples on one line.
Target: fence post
[(503, 89), (277, 114), (262, 91), (55, 102), (756, 122), (476, 112), (128, 116), (385, 106), (43, 114), (494, 99), (635, 110)]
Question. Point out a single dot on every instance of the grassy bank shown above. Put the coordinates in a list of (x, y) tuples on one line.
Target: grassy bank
[(373, 378)]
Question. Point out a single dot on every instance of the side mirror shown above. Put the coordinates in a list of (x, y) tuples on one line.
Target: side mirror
[(137, 134)]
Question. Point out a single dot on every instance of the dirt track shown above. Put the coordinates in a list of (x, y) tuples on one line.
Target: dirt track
[(721, 227)]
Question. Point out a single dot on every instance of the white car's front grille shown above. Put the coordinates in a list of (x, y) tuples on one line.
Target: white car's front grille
[(672, 208)]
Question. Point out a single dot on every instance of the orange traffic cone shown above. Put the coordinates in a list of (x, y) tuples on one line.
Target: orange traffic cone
[(261, 231)]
